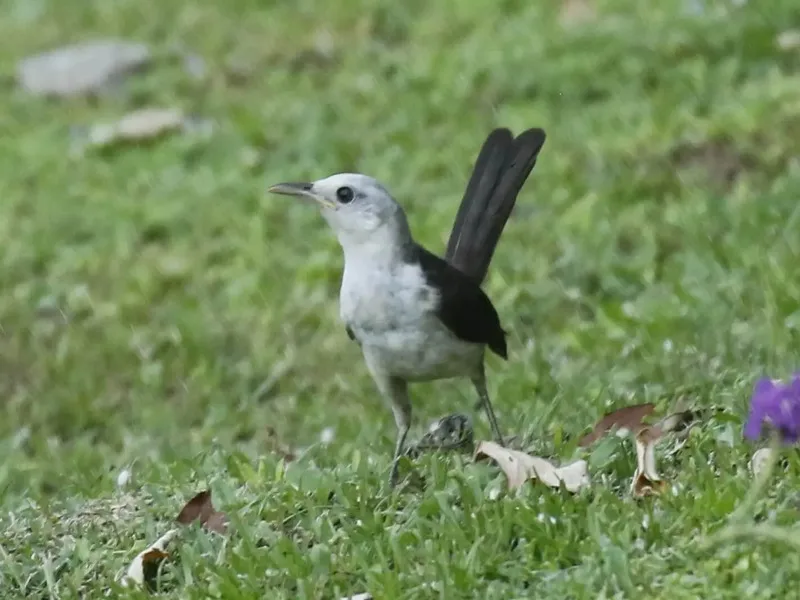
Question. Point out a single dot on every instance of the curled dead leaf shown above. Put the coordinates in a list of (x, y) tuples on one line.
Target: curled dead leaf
[(631, 420), (200, 508), (148, 558), (520, 467), (628, 418), (646, 480), (680, 421), (217, 522)]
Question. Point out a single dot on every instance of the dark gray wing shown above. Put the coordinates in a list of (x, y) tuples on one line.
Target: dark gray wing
[(464, 308)]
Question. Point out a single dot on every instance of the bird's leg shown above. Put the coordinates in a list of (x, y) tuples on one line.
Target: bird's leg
[(395, 392), (402, 433), (401, 408), (479, 381)]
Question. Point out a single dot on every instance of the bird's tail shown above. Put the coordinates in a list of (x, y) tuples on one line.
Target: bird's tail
[(500, 171)]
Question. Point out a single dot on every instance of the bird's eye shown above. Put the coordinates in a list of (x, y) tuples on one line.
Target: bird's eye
[(345, 195)]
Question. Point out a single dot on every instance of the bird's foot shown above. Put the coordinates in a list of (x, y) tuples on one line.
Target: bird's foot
[(451, 432)]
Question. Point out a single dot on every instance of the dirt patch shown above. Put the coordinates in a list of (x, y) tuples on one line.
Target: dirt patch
[(720, 162)]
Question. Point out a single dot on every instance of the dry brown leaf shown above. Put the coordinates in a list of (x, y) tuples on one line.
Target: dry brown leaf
[(150, 556), (200, 508), (520, 467), (678, 421), (628, 418), (646, 480), (217, 522)]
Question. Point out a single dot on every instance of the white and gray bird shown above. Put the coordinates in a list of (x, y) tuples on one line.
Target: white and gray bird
[(418, 317)]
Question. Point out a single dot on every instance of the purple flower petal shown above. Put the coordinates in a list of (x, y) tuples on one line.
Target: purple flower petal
[(764, 390), (752, 429), (778, 404)]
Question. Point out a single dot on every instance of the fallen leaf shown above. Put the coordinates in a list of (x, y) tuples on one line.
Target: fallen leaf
[(148, 557), (646, 480), (200, 508), (217, 522), (680, 421), (628, 418), (520, 467)]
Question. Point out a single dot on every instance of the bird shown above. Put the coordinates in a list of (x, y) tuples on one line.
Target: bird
[(418, 316)]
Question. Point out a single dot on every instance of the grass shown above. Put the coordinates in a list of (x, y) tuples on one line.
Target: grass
[(161, 314)]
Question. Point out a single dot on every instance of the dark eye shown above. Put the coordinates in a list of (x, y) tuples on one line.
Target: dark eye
[(345, 195)]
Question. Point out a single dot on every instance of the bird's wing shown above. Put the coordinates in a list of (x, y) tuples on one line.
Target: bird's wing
[(463, 306)]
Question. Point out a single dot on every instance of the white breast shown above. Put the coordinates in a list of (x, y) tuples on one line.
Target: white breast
[(392, 312)]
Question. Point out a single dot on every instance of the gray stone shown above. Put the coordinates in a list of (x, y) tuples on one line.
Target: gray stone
[(82, 68), (138, 126)]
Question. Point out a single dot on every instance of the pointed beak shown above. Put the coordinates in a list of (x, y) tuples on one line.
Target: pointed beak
[(300, 190)]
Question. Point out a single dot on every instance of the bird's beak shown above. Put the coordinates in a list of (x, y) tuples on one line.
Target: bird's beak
[(301, 190)]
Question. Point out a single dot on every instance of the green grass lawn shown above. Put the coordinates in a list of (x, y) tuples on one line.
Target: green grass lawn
[(159, 312)]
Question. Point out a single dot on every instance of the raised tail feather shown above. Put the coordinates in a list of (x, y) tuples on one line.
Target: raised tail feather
[(500, 171)]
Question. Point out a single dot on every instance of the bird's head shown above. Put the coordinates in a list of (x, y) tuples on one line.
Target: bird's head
[(358, 208)]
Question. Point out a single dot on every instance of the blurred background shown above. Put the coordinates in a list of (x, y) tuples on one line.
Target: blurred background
[(151, 288), (155, 301)]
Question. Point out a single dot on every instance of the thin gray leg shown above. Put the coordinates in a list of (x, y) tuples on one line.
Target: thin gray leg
[(479, 381), (395, 393), (401, 408), (398, 452)]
